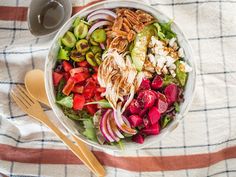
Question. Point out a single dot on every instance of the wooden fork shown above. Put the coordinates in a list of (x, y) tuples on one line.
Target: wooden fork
[(32, 107)]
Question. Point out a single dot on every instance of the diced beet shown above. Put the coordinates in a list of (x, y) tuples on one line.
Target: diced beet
[(146, 121), (138, 138), (82, 63), (151, 130), (146, 98), (142, 112), (56, 78), (157, 82), (171, 93), (154, 115), (69, 86), (91, 108), (162, 103), (135, 120), (134, 107), (78, 102), (67, 66), (78, 89), (145, 84)]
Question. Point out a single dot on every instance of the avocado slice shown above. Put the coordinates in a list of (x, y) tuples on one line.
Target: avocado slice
[(139, 50)]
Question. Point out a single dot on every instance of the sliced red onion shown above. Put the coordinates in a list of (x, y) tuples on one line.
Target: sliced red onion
[(102, 11), (100, 17), (126, 121), (115, 128), (110, 131), (97, 25), (102, 46), (103, 126), (120, 122)]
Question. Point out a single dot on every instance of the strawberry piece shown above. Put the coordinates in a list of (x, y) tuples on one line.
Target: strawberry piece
[(91, 108), (157, 82), (101, 89), (78, 89), (78, 70), (56, 78), (89, 89), (151, 130), (79, 77), (82, 63), (154, 115), (138, 138), (67, 66), (171, 93), (69, 86), (78, 102), (135, 120), (66, 76)]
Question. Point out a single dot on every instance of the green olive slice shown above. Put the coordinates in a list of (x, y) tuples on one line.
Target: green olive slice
[(76, 56), (96, 49), (82, 46), (81, 30), (91, 59), (69, 39), (99, 35)]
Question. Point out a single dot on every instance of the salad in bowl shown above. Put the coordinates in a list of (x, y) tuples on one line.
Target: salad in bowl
[(120, 75)]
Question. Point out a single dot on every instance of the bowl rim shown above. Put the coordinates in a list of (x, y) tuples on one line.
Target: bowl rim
[(179, 117)]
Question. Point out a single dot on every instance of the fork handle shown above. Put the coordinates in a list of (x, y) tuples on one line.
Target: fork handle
[(99, 171)]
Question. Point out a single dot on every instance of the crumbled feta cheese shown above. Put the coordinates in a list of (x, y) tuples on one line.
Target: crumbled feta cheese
[(165, 70), (172, 41), (175, 46), (172, 67), (186, 67), (169, 61), (172, 72), (152, 59), (181, 52)]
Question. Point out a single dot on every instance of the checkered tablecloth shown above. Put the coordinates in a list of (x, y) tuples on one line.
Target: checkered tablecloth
[(202, 145)]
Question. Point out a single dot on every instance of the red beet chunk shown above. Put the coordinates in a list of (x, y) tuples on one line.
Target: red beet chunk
[(146, 98), (151, 130), (154, 115), (134, 107), (138, 138), (145, 84), (157, 82), (162, 103), (171, 93), (135, 120)]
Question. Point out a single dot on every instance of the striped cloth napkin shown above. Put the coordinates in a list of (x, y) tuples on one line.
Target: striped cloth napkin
[(202, 145)]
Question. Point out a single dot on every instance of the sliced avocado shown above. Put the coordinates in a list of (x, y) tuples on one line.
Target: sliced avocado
[(180, 75), (139, 50), (69, 39), (63, 54)]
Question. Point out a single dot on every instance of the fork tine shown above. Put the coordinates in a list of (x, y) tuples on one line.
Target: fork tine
[(26, 94), (18, 101), (22, 96)]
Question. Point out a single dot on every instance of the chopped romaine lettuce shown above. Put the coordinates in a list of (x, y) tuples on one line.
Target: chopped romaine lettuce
[(180, 75), (103, 103), (89, 131), (165, 121), (166, 29), (63, 54), (159, 32), (176, 105), (66, 101)]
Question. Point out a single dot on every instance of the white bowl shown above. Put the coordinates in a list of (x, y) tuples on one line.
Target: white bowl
[(71, 126)]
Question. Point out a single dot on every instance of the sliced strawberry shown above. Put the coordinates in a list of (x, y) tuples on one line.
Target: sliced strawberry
[(67, 66), (69, 86), (89, 89), (66, 76), (78, 70), (154, 115), (78, 89), (138, 138), (83, 63), (101, 89), (91, 108), (56, 78), (78, 102), (79, 77)]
